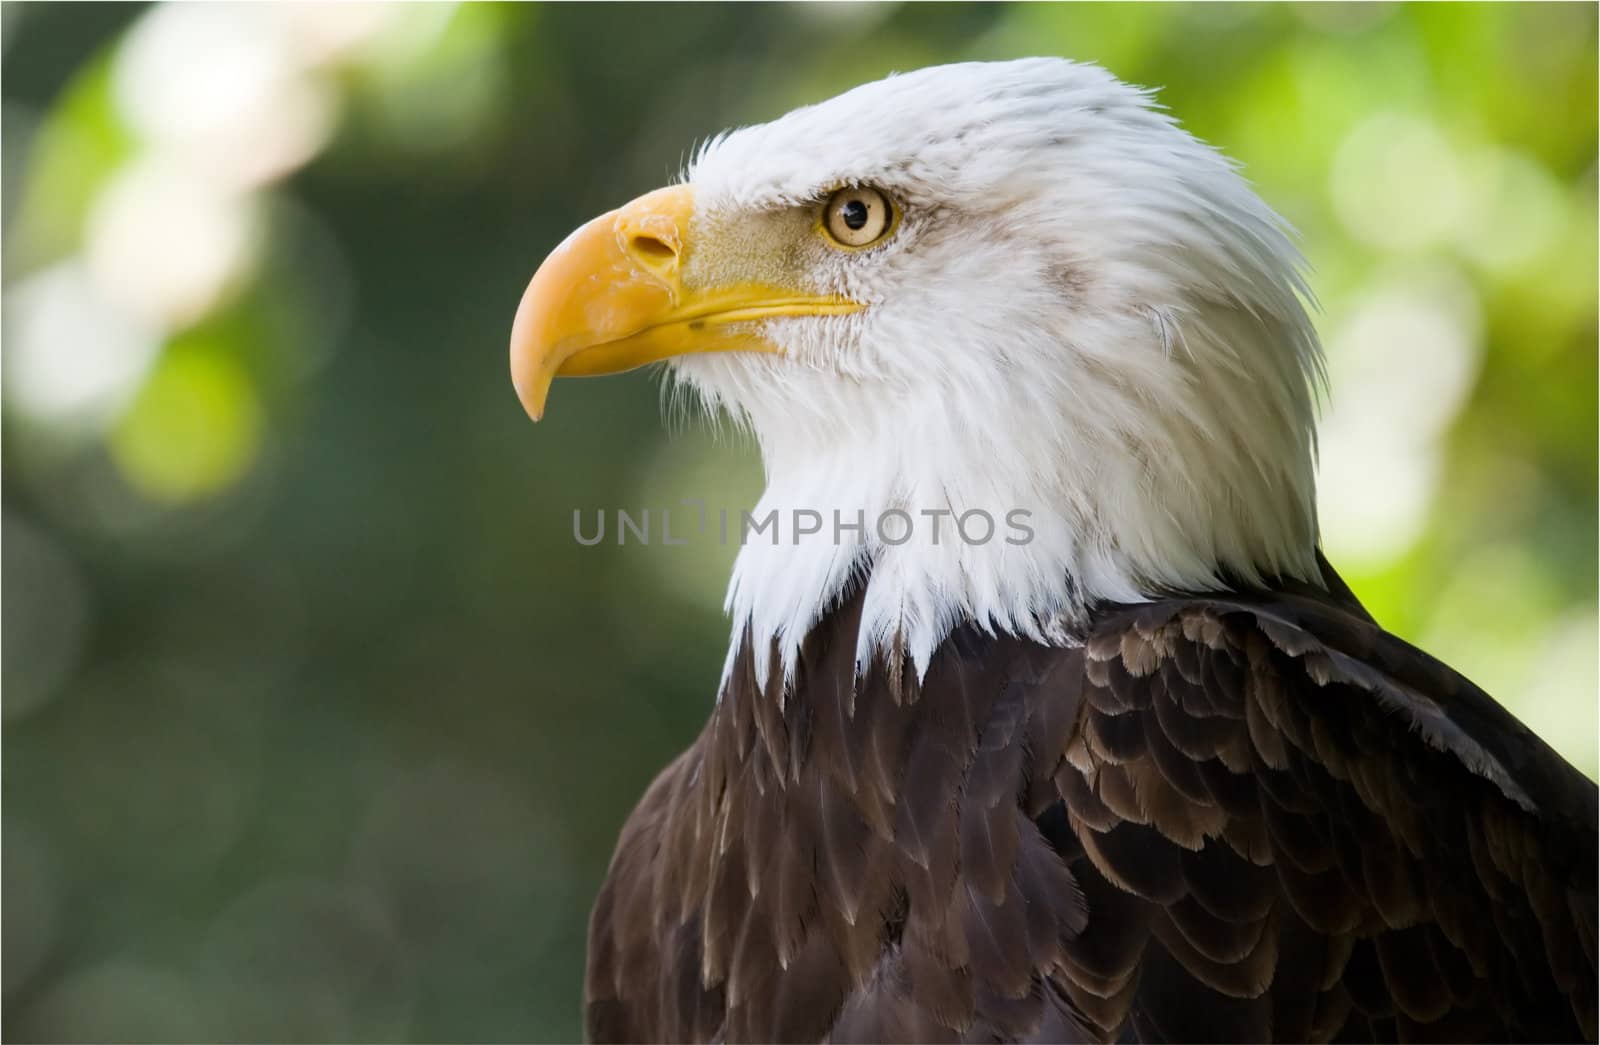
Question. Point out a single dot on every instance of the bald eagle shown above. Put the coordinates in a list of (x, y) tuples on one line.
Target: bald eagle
[(1139, 767)]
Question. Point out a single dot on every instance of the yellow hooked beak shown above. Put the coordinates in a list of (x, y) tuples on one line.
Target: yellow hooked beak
[(613, 297)]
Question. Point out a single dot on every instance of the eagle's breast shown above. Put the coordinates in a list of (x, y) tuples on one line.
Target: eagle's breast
[(1194, 824)]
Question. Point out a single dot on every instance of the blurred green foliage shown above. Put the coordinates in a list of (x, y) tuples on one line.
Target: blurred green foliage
[(319, 725)]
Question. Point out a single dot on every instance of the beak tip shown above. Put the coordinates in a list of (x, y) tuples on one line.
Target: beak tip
[(530, 375), (531, 398)]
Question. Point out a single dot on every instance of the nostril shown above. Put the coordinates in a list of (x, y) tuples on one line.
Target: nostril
[(652, 249)]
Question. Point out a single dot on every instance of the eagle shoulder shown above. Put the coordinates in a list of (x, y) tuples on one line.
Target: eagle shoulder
[(1331, 833)]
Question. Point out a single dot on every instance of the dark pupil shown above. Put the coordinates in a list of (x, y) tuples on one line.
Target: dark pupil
[(854, 214)]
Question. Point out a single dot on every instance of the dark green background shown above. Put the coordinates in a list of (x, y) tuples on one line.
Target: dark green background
[(318, 724)]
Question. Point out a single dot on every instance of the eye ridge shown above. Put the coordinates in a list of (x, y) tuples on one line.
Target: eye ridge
[(858, 216)]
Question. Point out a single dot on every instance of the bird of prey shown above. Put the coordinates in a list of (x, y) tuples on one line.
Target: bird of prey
[(1060, 727)]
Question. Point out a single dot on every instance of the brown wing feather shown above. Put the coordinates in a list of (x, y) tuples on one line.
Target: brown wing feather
[(1392, 808), (1239, 818)]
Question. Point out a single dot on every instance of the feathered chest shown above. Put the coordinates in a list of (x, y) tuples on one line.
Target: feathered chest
[(867, 839), (1202, 822)]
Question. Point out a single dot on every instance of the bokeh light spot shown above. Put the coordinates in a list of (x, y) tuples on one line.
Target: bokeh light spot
[(1518, 209), (166, 243), (72, 361), (1401, 365), (1396, 183), (194, 430)]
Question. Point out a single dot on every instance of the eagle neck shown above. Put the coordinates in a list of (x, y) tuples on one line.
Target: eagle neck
[(930, 521)]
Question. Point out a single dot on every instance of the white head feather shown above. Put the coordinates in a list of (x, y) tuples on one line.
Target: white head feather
[(1085, 314)]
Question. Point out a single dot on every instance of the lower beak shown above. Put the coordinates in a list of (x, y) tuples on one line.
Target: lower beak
[(613, 297)]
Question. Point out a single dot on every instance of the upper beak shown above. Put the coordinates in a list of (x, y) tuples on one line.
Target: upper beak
[(613, 297)]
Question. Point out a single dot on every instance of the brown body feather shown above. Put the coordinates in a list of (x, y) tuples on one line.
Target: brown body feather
[(1217, 818)]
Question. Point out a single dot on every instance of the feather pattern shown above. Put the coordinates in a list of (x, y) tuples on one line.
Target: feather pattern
[(1327, 879)]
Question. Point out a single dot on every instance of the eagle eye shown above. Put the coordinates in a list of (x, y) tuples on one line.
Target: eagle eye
[(857, 217)]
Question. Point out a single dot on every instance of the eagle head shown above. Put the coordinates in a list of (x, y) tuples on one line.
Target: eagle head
[(1016, 291)]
